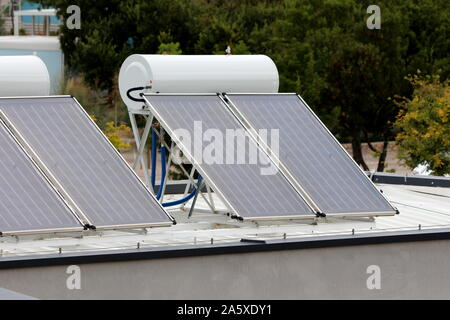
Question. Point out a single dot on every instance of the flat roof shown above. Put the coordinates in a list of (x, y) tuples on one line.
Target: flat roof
[(36, 12), (36, 43), (422, 210)]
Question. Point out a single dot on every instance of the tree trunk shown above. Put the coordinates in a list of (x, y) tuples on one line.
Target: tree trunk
[(357, 153), (110, 98), (113, 92), (383, 155)]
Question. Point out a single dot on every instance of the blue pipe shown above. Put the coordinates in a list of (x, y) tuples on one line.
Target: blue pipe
[(185, 199), (154, 144), (163, 172)]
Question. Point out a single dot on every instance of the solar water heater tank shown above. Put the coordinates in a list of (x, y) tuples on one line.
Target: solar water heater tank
[(196, 74), (23, 76)]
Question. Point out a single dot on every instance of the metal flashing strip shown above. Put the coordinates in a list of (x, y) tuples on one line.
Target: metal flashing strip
[(325, 241)]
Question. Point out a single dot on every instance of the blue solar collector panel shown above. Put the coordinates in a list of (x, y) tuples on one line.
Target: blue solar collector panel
[(311, 154), (250, 194), (29, 203), (84, 162)]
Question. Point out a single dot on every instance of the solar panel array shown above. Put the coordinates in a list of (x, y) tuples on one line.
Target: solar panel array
[(109, 194), (81, 158), (311, 154), (248, 192), (28, 201)]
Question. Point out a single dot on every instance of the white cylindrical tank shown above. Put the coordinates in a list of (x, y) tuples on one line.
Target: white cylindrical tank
[(23, 76), (197, 74)]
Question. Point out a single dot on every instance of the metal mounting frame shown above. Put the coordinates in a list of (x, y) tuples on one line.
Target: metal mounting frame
[(189, 175), (149, 116), (187, 154)]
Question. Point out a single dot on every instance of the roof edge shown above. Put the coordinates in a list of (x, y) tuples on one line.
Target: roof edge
[(230, 248)]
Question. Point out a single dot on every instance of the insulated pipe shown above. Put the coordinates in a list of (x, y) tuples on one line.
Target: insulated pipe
[(163, 175), (133, 98), (185, 199), (163, 172), (136, 89), (154, 144)]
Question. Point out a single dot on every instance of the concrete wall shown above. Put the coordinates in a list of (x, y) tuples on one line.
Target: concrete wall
[(408, 270)]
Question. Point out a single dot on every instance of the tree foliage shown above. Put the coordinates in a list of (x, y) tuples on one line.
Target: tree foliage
[(2, 22), (350, 75), (424, 125), (167, 45), (115, 133)]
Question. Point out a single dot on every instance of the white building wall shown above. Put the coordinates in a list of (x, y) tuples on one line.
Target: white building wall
[(408, 270)]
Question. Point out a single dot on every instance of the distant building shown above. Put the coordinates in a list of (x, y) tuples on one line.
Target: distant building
[(37, 28), (29, 24)]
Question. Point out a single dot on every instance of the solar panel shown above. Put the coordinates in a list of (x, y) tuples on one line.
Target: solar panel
[(243, 186), (311, 154), (28, 202), (83, 161)]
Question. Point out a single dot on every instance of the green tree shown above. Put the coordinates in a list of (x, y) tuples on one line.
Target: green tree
[(169, 48), (1, 25), (167, 45), (358, 68), (424, 125), (428, 36), (3, 11), (350, 75), (111, 30)]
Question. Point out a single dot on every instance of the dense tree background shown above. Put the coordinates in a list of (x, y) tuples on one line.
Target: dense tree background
[(1, 22), (350, 75)]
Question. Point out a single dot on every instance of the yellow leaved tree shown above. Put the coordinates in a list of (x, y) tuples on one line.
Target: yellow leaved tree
[(424, 125)]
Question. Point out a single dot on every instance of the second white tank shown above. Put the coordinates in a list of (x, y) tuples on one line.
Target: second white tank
[(23, 76)]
